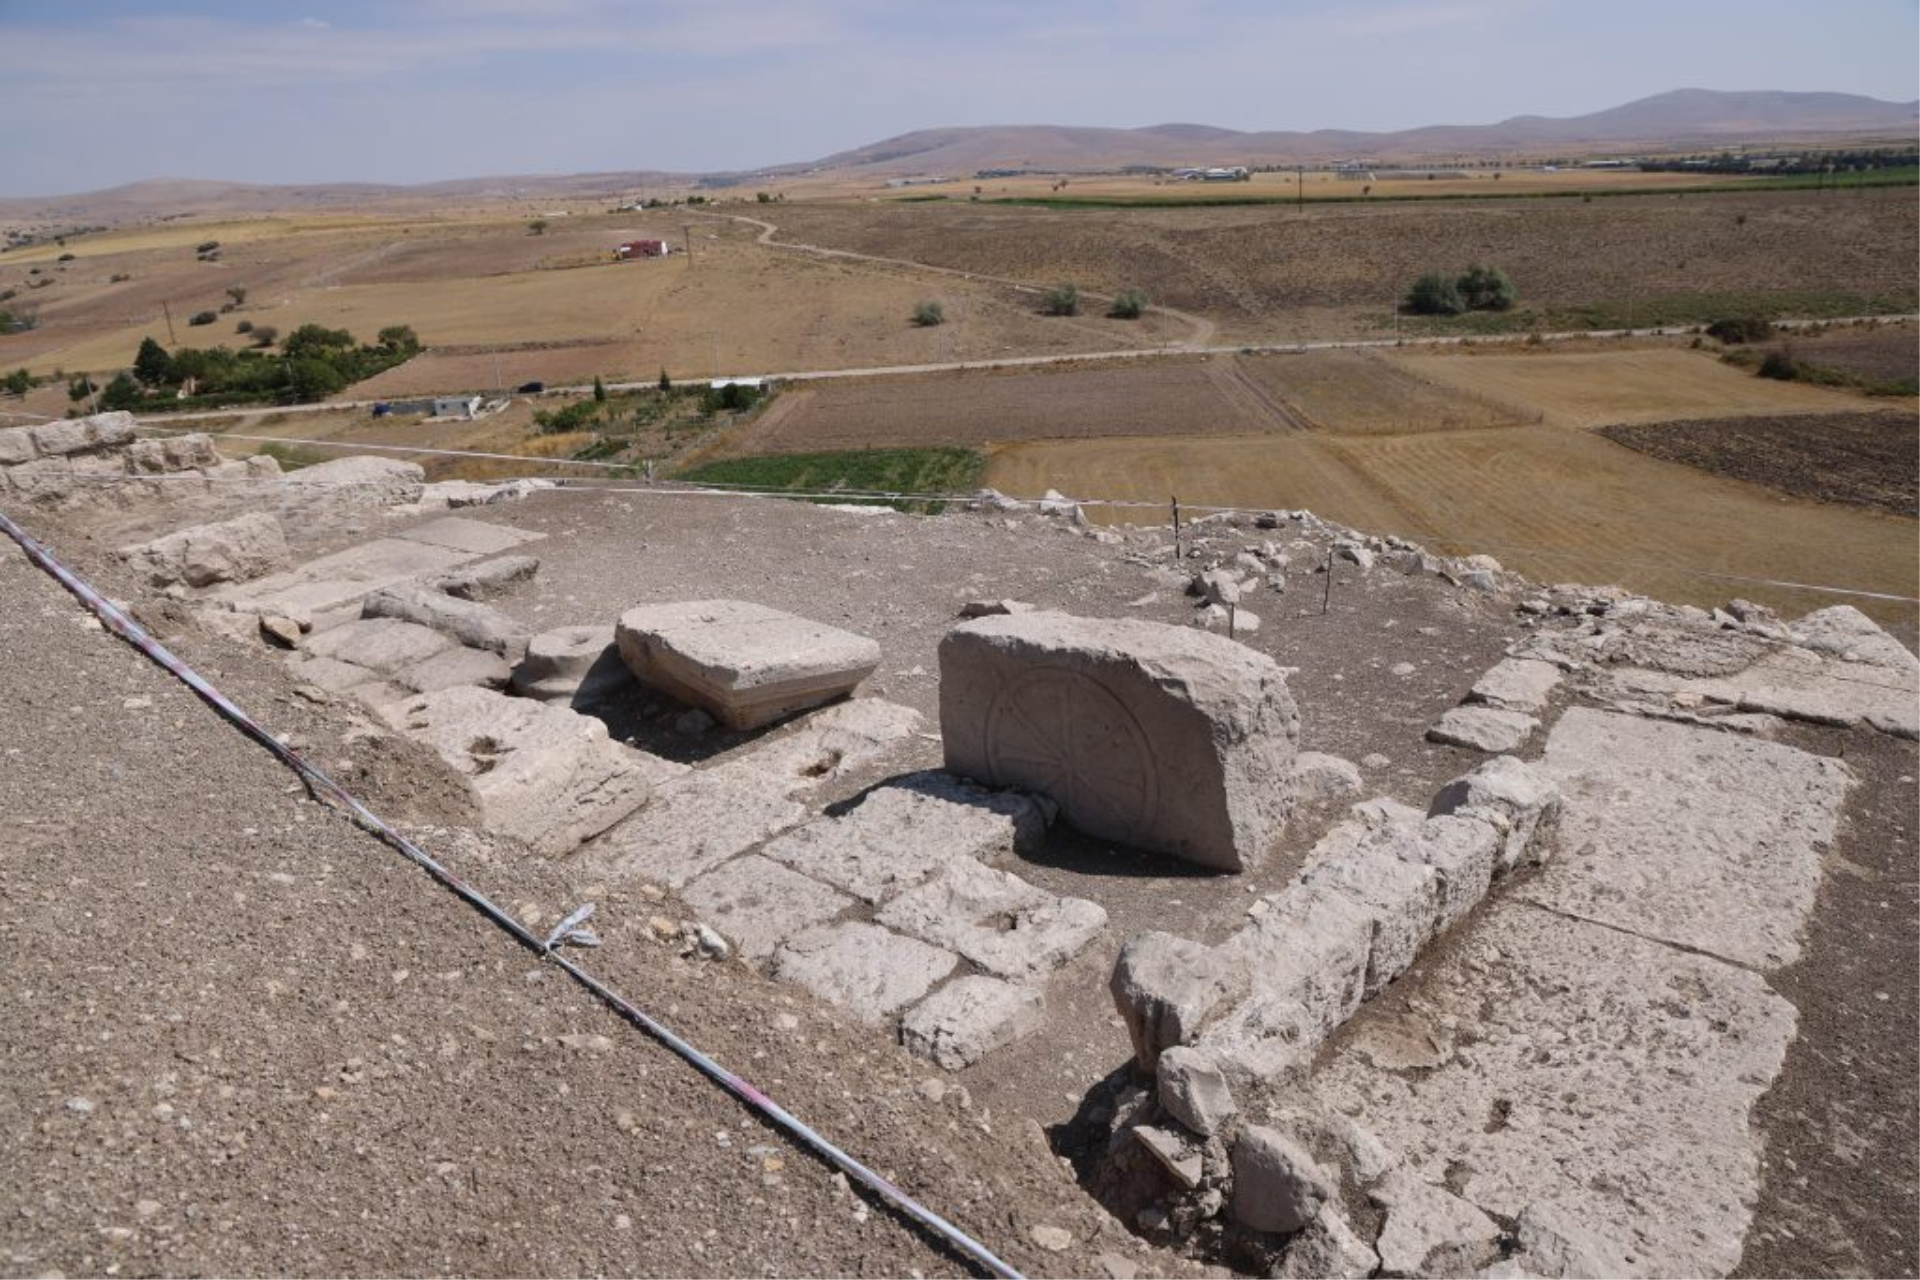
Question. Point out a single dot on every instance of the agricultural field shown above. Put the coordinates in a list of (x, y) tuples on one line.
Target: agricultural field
[(1878, 355), (1268, 273), (1637, 382), (1555, 505), (1858, 459)]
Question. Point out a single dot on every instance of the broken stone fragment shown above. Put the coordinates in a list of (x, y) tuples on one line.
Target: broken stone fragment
[(477, 626), (1194, 1091), (1180, 1158), (994, 608), (1166, 988), (1162, 737), (1327, 1249), (1277, 1186), (1558, 1242), (969, 1018), (745, 663), (236, 550), (1516, 796), (1483, 728), (276, 630), (491, 578), (575, 665), (1517, 684), (1321, 777)]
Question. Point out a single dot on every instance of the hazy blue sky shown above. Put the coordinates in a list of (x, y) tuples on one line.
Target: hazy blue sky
[(99, 93)]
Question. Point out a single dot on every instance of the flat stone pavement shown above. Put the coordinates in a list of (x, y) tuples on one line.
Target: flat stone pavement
[(245, 1038)]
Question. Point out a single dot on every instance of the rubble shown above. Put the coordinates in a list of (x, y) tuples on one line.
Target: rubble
[(1166, 988), (1276, 1185)]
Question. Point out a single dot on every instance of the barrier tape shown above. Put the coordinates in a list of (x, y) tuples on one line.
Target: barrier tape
[(120, 624)]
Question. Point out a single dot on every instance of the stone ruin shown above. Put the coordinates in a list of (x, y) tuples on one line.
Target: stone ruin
[(1285, 1109)]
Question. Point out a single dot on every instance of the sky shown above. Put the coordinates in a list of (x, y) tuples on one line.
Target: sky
[(99, 92)]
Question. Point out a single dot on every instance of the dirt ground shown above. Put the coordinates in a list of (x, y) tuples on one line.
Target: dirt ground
[(1878, 353), (1859, 459)]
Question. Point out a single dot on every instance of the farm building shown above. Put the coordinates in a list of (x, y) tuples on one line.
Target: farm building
[(643, 249)]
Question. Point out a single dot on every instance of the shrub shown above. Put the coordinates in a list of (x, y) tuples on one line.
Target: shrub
[(65, 257), (264, 335), (206, 246), (245, 326), (80, 388), (1486, 289), (1781, 366), (1128, 304), (19, 382), (599, 390), (1062, 300), (929, 313), (400, 337), (203, 317), (577, 416), (239, 295), (666, 383), (122, 393), (1735, 329), (1435, 295), (538, 226)]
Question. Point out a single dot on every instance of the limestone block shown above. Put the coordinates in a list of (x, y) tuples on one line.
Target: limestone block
[(1703, 839), (997, 920), (16, 446), (1556, 1241), (491, 578), (477, 626), (1403, 898), (381, 481), (835, 742), (1277, 1186), (905, 831), (45, 479), (1514, 795), (1307, 957), (1194, 1091), (1463, 851), (1844, 632), (475, 537), (453, 668), (164, 455), (386, 645), (331, 674), (83, 435), (1483, 728), (745, 663), (542, 774), (1430, 1231), (758, 904), (969, 1018), (694, 824), (1517, 684), (862, 967), (1167, 738), (1166, 987), (335, 584), (575, 665), (236, 550)]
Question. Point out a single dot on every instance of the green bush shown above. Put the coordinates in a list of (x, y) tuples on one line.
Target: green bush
[(122, 393), (1128, 304), (929, 313), (1780, 366), (1062, 300), (1735, 329), (203, 317), (578, 416), (19, 382), (1486, 289), (152, 365), (1435, 295)]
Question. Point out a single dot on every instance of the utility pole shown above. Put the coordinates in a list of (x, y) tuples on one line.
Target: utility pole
[(686, 229), (1300, 186), (171, 340)]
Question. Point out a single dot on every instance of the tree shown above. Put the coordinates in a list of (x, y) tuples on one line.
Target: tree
[(1062, 300), (153, 366), (122, 393), (1435, 295), (264, 335), (239, 295), (929, 313), (1486, 289), (315, 340), (400, 337), (19, 382), (538, 226), (80, 388), (1128, 304), (666, 383), (311, 378), (599, 390)]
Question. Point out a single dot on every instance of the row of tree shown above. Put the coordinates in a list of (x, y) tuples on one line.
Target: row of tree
[(313, 363), (1477, 288)]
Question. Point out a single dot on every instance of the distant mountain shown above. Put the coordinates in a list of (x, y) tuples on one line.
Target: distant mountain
[(1682, 119), (1667, 121)]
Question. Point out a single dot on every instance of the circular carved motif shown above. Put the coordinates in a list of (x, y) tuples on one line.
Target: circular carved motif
[(1065, 734)]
